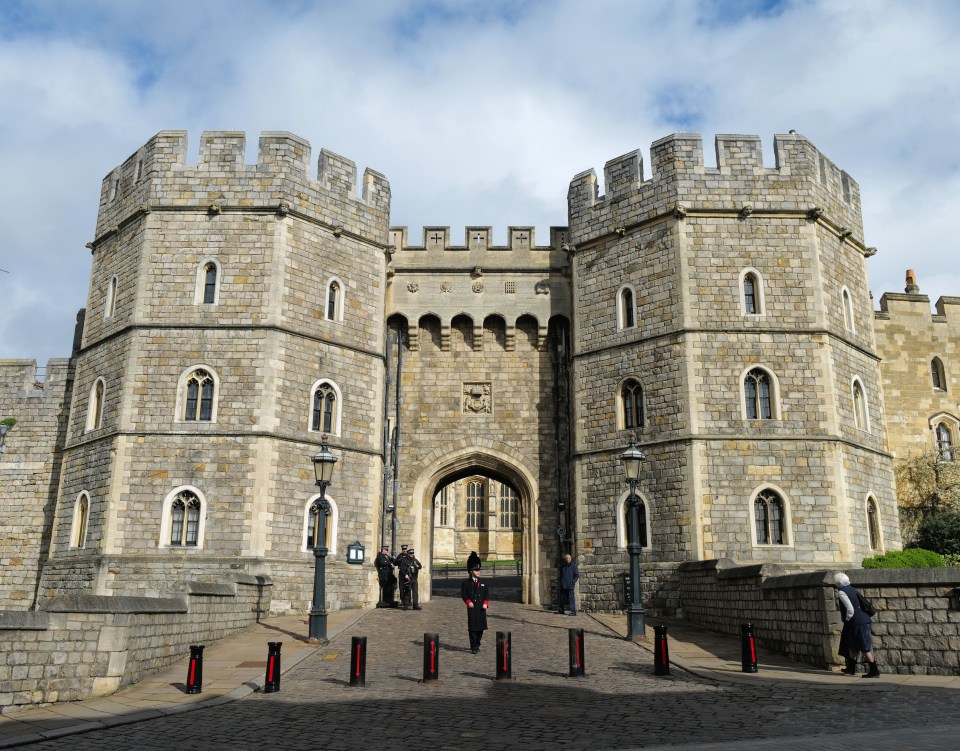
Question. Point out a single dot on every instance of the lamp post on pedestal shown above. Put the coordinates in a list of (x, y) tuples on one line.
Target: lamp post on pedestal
[(632, 458), (323, 468)]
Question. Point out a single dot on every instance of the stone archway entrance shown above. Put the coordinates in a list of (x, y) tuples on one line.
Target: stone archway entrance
[(467, 463)]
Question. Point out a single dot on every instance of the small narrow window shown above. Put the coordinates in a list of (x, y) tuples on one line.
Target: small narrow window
[(324, 412), (641, 518), (209, 284), (95, 405), (859, 407), (631, 396), (628, 309), (334, 301), (443, 506), (847, 303), (750, 294), (81, 513), (944, 443), (873, 525), (312, 526), (757, 395), (110, 308), (199, 393), (937, 375), (768, 514), (139, 172)]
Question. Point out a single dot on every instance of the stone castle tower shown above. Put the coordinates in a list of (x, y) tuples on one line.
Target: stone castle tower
[(238, 312)]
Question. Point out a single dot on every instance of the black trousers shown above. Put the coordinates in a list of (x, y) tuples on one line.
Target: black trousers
[(411, 591), (475, 637)]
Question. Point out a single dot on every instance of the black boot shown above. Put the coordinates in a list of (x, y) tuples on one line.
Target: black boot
[(851, 667), (873, 670)]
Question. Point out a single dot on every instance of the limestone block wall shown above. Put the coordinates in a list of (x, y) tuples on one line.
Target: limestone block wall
[(909, 336), (916, 629), (84, 646), (30, 465)]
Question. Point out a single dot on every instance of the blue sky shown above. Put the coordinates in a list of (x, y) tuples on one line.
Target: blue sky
[(479, 113)]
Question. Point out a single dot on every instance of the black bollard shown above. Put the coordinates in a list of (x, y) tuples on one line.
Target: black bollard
[(577, 667), (358, 661), (195, 669), (431, 658), (272, 682), (661, 654), (504, 656), (748, 649)]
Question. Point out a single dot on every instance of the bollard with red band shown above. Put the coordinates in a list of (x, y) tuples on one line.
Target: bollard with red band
[(504, 656), (748, 649), (272, 682), (577, 667), (358, 661), (431, 658), (661, 654), (195, 669)]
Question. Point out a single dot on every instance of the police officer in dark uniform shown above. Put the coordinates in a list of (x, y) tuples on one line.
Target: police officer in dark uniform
[(388, 582), (409, 567)]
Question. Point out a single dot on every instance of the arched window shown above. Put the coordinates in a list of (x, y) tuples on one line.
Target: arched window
[(847, 304), (311, 525), (509, 507), (623, 522), (95, 405), (199, 392), (937, 375), (182, 523), (769, 518), (873, 524), (208, 283), (631, 400), (81, 513), (944, 443), (758, 395), (626, 307), (110, 306), (325, 407), (334, 301), (751, 293), (861, 417), (443, 506), (476, 505)]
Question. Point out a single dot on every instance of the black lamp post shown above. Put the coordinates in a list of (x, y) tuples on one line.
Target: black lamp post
[(323, 467), (632, 459)]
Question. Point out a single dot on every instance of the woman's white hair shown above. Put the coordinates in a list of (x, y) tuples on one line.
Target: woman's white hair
[(841, 579)]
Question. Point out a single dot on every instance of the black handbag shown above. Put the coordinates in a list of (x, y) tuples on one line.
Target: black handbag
[(866, 606)]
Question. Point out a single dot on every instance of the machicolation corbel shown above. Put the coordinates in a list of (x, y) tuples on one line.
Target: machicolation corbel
[(680, 211), (213, 209), (845, 234), (337, 231), (621, 231), (477, 271), (869, 252), (283, 209), (746, 210), (815, 213), (145, 208)]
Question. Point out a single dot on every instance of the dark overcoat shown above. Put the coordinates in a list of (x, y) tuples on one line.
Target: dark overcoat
[(475, 591)]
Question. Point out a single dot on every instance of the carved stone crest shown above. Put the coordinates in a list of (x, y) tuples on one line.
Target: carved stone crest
[(478, 287), (477, 399), (542, 287), (413, 287), (446, 287)]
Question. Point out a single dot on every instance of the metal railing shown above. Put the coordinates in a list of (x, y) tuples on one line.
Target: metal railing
[(489, 568)]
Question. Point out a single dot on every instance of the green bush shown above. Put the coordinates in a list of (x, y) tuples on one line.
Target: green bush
[(909, 558), (941, 533), (8, 421), (952, 560)]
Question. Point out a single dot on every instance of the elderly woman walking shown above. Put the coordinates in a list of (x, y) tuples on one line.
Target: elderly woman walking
[(856, 635)]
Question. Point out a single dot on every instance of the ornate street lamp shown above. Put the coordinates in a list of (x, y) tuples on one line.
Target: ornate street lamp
[(632, 458), (323, 467)]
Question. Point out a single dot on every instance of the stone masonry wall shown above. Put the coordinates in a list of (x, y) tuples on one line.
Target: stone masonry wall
[(84, 646), (916, 629)]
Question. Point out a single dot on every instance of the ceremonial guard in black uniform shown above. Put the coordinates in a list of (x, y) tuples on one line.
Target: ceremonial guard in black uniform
[(476, 596), (409, 567), (388, 582)]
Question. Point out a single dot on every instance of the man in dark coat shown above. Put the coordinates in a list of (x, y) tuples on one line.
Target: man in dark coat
[(384, 565), (476, 596), (409, 567), (569, 573)]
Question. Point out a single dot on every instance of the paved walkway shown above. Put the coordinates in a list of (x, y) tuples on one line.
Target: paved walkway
[(706, 702)]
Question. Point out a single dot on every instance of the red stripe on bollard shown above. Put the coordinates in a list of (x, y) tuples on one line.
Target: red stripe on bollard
[(748, 649), (577, 667), (504, 658), (358, 661), (661, 655), (431, 658), (195, 670), (272, 682)]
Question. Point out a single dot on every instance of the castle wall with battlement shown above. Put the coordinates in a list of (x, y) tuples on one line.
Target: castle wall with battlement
[(909, 337)]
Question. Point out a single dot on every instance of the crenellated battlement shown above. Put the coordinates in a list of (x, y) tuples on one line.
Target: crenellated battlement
[(802, 180), (437, 248), (157, 175)]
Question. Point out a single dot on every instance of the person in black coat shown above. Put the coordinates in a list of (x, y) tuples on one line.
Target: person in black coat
[(388, 582), (409, 567), (477, 598), (857, 633)]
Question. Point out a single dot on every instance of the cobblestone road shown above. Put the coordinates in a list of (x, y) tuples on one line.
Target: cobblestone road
[(619, 704)]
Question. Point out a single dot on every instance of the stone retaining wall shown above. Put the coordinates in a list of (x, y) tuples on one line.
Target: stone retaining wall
[(916, 629), (91, 645)]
